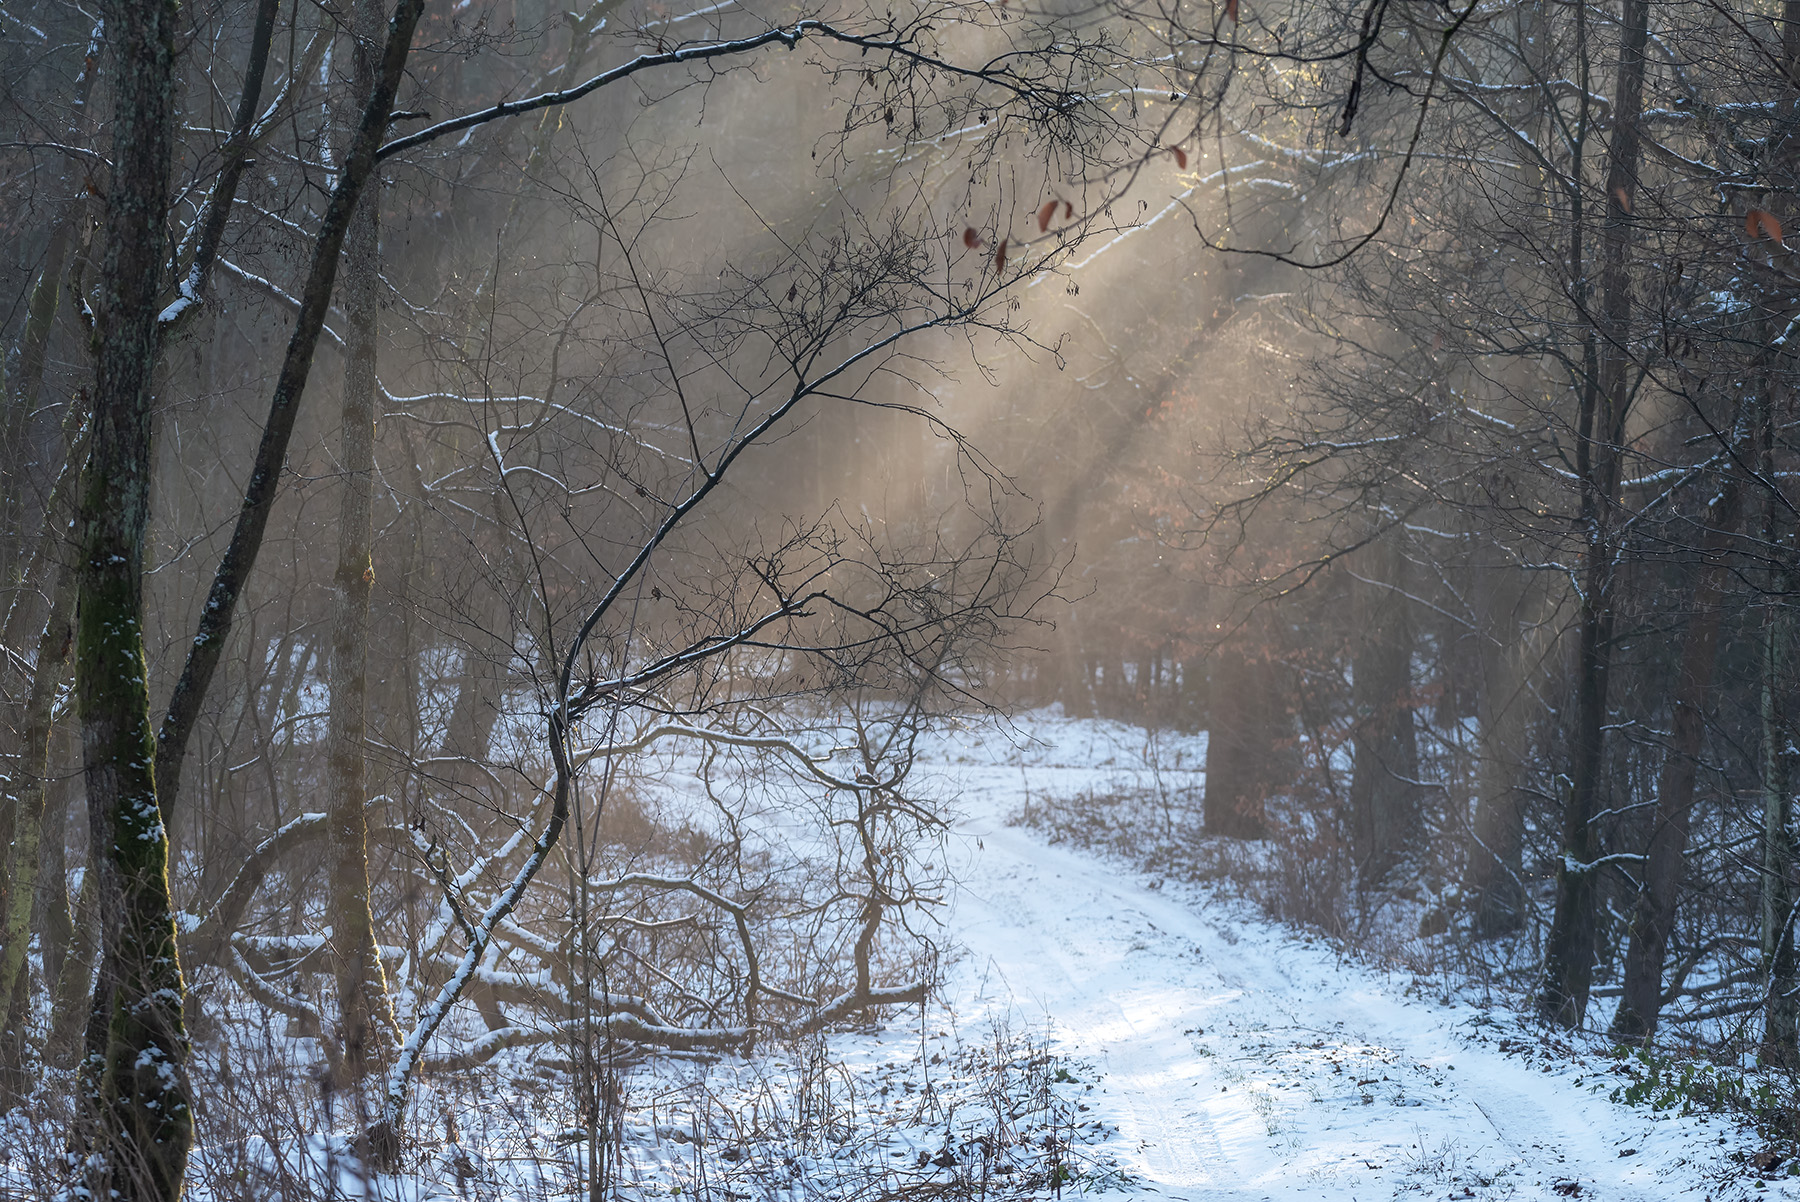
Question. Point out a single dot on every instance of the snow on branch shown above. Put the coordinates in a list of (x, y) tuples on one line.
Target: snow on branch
[(903, 47), (669, 730), (304, 1016), (847, 1004)]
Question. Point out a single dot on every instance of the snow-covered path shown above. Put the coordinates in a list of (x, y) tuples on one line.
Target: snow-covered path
[(1242, 1062)]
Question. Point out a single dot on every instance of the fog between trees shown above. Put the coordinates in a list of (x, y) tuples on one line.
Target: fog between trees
[(429, 430)]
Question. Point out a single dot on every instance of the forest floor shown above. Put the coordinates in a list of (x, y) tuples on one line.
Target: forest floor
[(1101, 1031), (1237, 1059)]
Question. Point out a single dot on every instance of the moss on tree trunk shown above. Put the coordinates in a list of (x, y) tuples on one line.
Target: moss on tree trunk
[(143, 1122)]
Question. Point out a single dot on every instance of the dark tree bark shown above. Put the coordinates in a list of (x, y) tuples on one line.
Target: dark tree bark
[(143, 1125), (1781, 1012), (1569, 948), (52, 546), (25, 853), (1653, 914), (24, 377), (1495, 881), (75, 982), (1384, 799), (234, 156), (470, 729), (26, 361), (1242, 747), (1075, 678), (27, 794), (1781, 1009), (55, 920), (134, 962)]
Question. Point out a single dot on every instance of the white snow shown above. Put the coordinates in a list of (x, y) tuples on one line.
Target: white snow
[(1245, 1061)]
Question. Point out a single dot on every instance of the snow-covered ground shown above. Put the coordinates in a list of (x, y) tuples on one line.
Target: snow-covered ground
[(1238, 1060), (1100, 1031)]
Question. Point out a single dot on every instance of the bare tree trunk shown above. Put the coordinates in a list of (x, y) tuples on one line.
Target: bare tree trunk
[(1781, 1016), (1781, 1010), (46, 562), (27, 794), (143, 1125), (75, 983), (1383, 798), (240, 556), (1507, 655), (470, 729), (1569, 949), (20, 885), (1075, 685), (1240, 745), (55, 922), (233, 573), (1781, 1007), (368, 1032), (25, 364), (24, 377), (1495, 859), (1653, 915)]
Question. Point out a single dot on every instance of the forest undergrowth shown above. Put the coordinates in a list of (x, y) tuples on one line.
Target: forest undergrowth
[(913, 1101), (913, 1108)]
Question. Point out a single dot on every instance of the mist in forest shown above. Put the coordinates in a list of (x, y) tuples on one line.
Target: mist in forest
[(535, 541)]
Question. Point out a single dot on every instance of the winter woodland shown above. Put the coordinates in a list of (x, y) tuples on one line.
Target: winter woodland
[(899, 601)]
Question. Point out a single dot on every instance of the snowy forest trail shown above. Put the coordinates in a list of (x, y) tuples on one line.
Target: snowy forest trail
[(1241, 1061)]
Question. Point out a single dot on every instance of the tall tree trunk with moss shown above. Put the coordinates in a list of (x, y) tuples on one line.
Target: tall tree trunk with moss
[(207, 648), (143, 1127), (366, 1013)]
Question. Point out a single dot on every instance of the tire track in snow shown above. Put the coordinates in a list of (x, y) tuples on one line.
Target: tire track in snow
[(1125, 1032), (1069, 940), (1252, 1068)]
